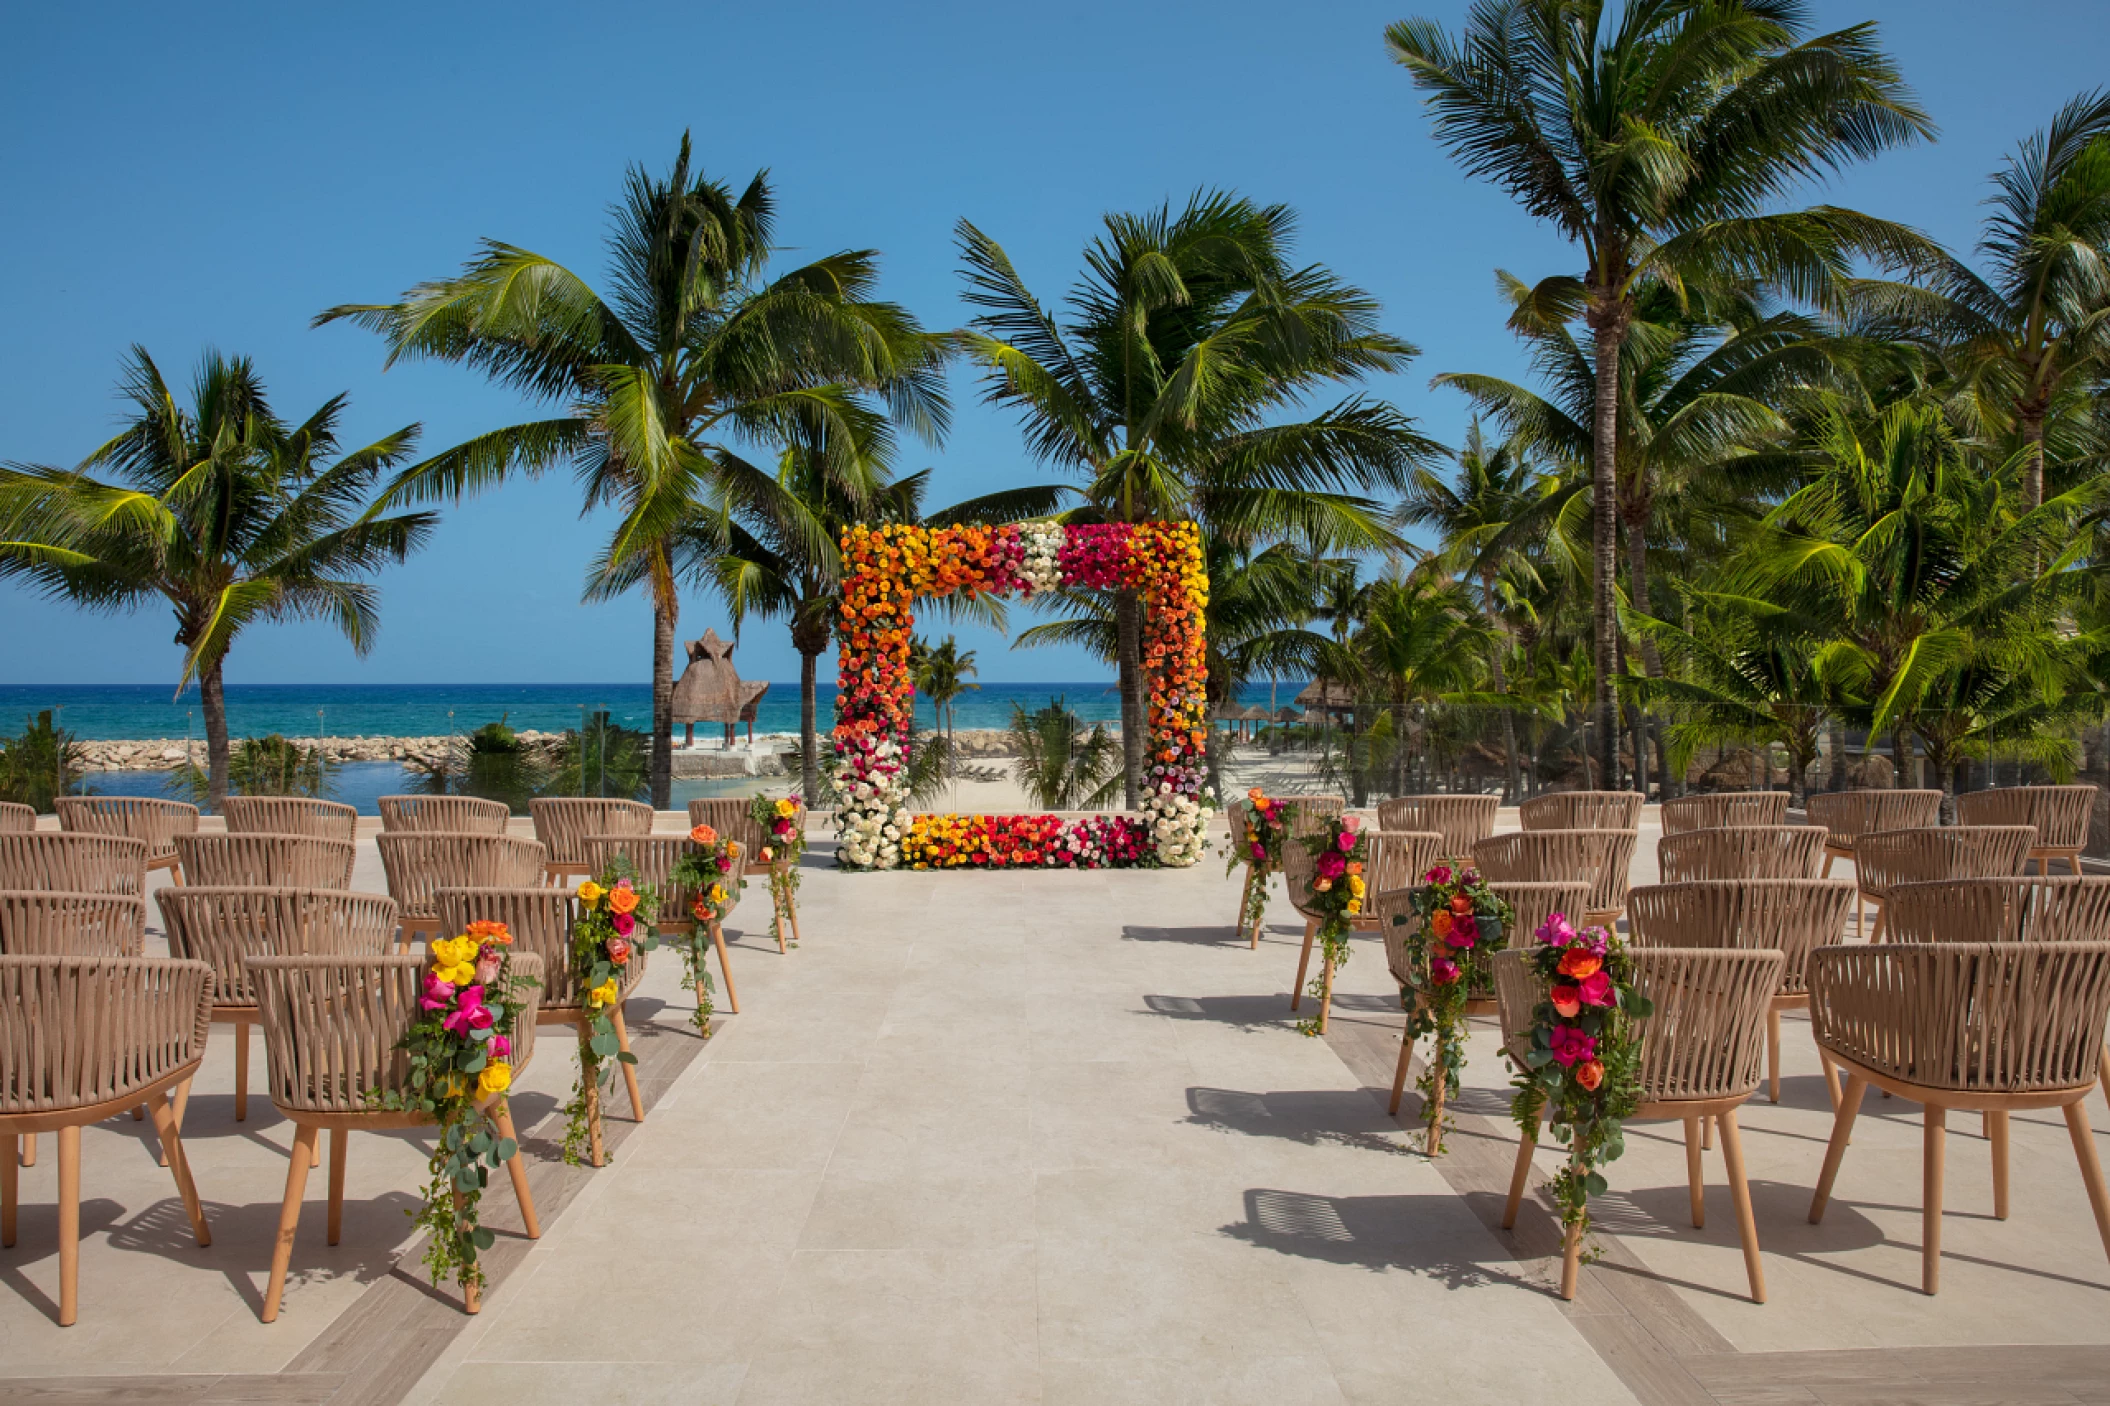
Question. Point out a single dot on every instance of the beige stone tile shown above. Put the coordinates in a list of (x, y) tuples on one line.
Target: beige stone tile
[(945, 1209), (620, 1382), (1184, 1300), (1232, 1381), (717, 1298)]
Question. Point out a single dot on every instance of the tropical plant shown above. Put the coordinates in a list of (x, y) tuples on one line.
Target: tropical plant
[(942, 672), (1654, 135), (38, 763), (221, 509), (1060, 765), (603, 758), (693, 356), (1417, 641), (494, 765), (261, 766)]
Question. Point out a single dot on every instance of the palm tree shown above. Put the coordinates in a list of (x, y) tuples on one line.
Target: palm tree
[(1060, 765), (1415, 642), (222, 510), (1653, 134), (941, 672), (1185, 338), (693, 357)]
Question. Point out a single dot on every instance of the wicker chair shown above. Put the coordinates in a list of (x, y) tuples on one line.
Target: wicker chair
[(453, 815), (138, 1029), (1583, 810), (47, 923), (134, 817), (1852, 814), (1602, 858), (1742, 852), (267, 861), (1306, 815), (1721, 808), (1397, 860), (562, 824), (1792, 916), (331, 1029), (729, 816), (2061, 814), (422, 862), (1883, 859), (73, 863), (1461, 820), (1700, 1054), (540, 920), (291, 815), (652, 859), (15, 819), (2001, 1027)]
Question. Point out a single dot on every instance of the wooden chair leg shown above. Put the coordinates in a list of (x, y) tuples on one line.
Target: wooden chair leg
[(1296, 993), (1245, 901), (179, 1167), (10, 1188), (791, 905), (1399, 1075), (339, 1140), (622, 1044), (593, 1096), (1526, 1145), (1706, 1134), (776, 916), (1571, 1261), (181, 1103), (1773, 1055), (29, 1149), (2091, 1168), (241, 1073), (472, 1297), (1835, 1151), (1740, 1197), (305, 1142), (1831, 1076), (1325, 991), (1882, 915), (732, 997), (1693, 1177), (69, 1225), (516, 1168), (139, 1112), (1935, 1148), (2102, 1072), (1996, 1132)]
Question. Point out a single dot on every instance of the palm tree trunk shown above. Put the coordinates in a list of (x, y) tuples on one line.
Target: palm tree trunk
[(1836, 778), (1128, 622), (1651, 657), (665, 611), (809, 732), (2032, 423), (1610, 333), (1399, 742), (1499, 671), (214, 700)]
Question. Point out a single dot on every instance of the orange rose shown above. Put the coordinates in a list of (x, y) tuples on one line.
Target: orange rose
[(1567, 1001), (1440, 923), (485, 930), (1578, 963), (1589, 1074), (1461, 904), (1355, 866), (704, 835), (623, 898)]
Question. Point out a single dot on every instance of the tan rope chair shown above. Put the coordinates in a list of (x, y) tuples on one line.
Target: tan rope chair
[(1395, 860), (2061, 814), (1851, 814), (267, 861), (1535, 901), (1711, 812), (652, 859), (82, 1039), (1700, 1055), (1308, 815), (729, 816), (540, 920), (223, 926), (1883, 859), (292, 815), (16, 819), (1602, 858), (1461, 820), (1583, 810), (1791, 916), (48, 923), (73, 863), (563, 823), (2000, 1027), (422, 862), (1742, 852), (454, 815), (331, 1027), (133, 817)]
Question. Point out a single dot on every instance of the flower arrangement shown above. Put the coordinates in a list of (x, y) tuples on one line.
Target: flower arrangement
[(613, 929), (1582, 1070), (460, 1049), (1337, 891), (710, 870), (888, 568), (1027, 842), (1459, 922), (1260, 850), (782, 823)]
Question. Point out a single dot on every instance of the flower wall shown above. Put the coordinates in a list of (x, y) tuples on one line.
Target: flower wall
[(887, 569)]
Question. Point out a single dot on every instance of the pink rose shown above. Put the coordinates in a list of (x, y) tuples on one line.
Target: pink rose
[(1441, 874), (1351, 823), (1571, 1046), (1556, 931), (1442, 971), (439, 995), (1596, 989), (487, 966), (1346, 841), (624, 923), (1465, 931), (618, 951), (1331, 865), (500, 1047)]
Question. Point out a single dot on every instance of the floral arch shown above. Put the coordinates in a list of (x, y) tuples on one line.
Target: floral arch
[(888, 568)]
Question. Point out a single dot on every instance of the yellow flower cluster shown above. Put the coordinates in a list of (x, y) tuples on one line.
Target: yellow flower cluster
[(1355, 894), (454, 960), (603, 995)]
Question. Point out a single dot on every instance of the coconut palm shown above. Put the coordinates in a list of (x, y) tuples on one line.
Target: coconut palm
[(1653, 135), (1160, 390), (941, 672), (219, 508), (1061, 765), (662, 386), (1417, 640)]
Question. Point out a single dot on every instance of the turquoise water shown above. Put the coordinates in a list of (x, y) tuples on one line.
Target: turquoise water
[(362, 784)]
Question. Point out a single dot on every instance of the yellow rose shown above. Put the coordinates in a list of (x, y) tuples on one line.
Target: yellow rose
[(717, 893), (590, 893), (604, 994), (786, 809), (496, 1078)]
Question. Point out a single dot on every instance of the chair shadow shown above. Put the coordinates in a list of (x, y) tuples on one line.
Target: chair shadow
[(1312, 1117), (1241, 1012), (1192, 937), (1369, 1232)]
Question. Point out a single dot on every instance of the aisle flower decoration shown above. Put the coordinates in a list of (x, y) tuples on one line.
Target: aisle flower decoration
[(1458, 924), (1337, 894), (460, 1048), (1259, 849), (613, 930), (710, 870), (1582, 1070), (1027, 842), (782, 821)]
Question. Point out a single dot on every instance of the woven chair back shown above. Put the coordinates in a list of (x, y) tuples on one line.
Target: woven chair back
[(422, 862), (1309, 815), (2004, 909), (223, 926), (652, 859), (2060, 813), (16, 819), (73, 863), (332, 1023), (1534, 901), (1742, 852), (1706, 1037), (1791, 916), (1399, 858), (1602, 858), (455, 815), (266, 861), (1583, 810), (1883, 859), (1518, 992), (729, 816), (540, 921), (563, 823), (1461, 820), (292, 815), (1721, 808), (80, 1031), (1982, 1017), (48, 924), (135, 817), (1852, 814)]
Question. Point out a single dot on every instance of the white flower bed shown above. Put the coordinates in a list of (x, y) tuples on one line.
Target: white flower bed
[(1039, 570), (1176, 824)]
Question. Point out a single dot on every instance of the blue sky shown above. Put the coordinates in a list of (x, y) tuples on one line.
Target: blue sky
[(212, 175)]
